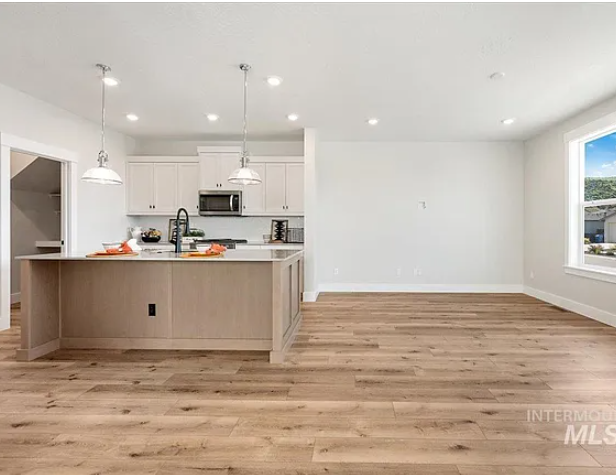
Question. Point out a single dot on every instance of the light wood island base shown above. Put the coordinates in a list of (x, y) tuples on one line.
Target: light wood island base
[(196, 305)]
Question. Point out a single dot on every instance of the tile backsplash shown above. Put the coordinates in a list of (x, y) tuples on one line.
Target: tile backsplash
[(250, 228)]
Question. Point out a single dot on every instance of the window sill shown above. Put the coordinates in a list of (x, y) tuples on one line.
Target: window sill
[(592, 272)]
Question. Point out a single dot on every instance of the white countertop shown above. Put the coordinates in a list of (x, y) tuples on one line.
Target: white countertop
[(232, 255)]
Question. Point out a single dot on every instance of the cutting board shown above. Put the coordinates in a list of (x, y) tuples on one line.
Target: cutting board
[(105, 255), (189, 255)]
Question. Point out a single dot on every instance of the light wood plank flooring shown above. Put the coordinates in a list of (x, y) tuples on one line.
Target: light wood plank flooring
[(391, 384)]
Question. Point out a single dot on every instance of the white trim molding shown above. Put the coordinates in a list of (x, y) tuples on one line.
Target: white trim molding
[(311, 296), (69, 179), (573, 306), (428, 288), (605, 274)]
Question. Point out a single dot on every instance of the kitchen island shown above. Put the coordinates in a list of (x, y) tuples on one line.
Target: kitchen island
[(245, 300)]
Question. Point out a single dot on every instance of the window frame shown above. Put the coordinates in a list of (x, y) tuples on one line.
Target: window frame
[(575, 142)]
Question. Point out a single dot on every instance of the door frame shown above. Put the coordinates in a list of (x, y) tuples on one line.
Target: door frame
[(68, 213)]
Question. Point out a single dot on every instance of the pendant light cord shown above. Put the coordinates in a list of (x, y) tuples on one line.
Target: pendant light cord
[(102, 156), (245, 68), (103, 112)]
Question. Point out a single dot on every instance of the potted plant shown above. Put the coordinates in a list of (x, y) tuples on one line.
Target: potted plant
[(596, 249)]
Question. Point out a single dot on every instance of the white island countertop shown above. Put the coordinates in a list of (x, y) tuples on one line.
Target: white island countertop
[(232, 255)]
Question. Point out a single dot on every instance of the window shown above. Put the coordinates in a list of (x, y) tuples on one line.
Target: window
[(592, 200)]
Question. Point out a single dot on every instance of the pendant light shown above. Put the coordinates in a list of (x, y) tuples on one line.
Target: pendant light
[(244, 175), (102, 174)]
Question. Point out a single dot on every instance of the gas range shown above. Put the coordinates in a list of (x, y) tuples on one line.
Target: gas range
[(227, 242)]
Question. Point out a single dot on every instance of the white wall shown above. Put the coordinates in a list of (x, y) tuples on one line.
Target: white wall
[(545, 210), (470, 237), (101, 209)]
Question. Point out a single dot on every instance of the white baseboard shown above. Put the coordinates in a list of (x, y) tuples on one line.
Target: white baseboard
[(311, 296), (15, 298), (488, 289), (573, 306)]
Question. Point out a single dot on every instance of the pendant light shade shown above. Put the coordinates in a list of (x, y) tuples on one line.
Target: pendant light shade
[(244, 175), (102, 174)]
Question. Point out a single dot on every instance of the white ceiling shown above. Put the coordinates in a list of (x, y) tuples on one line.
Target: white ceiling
[(421, 68)]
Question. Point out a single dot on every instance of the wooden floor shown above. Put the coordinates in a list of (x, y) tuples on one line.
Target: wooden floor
[(375, 384)]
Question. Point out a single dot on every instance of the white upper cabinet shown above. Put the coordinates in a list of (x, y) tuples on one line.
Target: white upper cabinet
[(162, 185), (294, 188), (165, 187), (188, 187), (253, 196), (140, 188), (208, 165), (227, 164), (284, 189), (215, 170), (275, 200)]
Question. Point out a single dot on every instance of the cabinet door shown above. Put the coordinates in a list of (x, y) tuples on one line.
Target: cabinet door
[(253, 196), (165, 188), (227, 163), (140, 189), (188, 187), (208, 172), (295, 188), (275, 188)]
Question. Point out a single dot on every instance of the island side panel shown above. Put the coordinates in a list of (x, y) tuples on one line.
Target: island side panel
[(229, 301), (106, 301), (287, 286), (40, 309)]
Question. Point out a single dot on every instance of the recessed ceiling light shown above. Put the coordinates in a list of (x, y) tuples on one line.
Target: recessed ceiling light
[(109, 81), (212, 117), (508, 121), (132, 117), (373, 121), (274, 80), (293, 117), (497, 75)]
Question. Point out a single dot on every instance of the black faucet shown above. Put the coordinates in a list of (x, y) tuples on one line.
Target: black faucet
[(178, 230)]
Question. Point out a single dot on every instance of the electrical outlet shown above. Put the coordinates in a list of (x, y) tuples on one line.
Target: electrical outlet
[(335, 271), (151, 310), (417, 271), (532, 274), (399, 271), (422, 205)]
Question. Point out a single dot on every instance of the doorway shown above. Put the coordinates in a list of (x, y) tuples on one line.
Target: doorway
[(46, 160), (36, 221)]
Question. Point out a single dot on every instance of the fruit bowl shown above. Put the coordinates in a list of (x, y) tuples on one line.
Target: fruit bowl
[(150, 239)]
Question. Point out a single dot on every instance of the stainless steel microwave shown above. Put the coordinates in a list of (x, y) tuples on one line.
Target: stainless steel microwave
[(220, 203)]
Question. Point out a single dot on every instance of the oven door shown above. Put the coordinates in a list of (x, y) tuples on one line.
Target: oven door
[(220, 203)]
